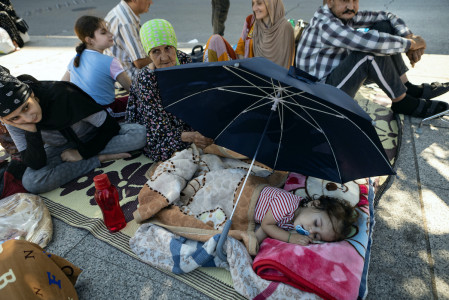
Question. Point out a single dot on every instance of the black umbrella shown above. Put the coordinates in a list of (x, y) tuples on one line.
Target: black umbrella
[(259, 109)]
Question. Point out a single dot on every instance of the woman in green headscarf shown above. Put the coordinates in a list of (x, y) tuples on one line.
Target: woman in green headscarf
[(166, 133)]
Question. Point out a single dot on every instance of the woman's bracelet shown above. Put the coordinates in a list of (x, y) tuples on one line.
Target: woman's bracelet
[(289, 235)]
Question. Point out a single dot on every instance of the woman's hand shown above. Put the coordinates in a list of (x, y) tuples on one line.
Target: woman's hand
[(31, 127), (71, 155), (151, 66), (296, 238), (197, 138)]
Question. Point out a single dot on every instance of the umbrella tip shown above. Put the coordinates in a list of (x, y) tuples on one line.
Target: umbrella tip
[(373, 123), (236, 65)]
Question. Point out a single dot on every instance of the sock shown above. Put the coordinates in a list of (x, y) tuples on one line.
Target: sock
[(414, 90), (406, 106)]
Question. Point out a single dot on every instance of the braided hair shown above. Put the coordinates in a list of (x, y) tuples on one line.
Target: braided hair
[(85, 27)]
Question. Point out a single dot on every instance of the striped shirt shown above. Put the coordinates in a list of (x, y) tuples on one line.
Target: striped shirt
[(125, 26), (282, 204), (327, 40)]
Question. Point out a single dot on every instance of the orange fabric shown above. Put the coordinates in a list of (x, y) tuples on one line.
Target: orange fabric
[(28, 272), (218, 49), (245, 43)]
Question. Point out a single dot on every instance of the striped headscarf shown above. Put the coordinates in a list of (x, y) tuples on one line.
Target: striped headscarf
[(158, 32)]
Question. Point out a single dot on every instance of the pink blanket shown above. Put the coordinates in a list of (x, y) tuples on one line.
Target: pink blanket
[(330, 270)]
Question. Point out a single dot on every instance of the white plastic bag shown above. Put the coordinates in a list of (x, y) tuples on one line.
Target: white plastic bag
[(25, 216), (6, 45)]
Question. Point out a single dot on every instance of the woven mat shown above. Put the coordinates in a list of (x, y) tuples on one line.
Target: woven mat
[(388, 127), (74, 202)]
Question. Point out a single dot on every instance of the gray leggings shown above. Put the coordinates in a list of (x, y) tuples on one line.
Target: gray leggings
[(58, 172)]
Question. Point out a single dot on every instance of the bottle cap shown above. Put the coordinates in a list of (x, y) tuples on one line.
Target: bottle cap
[(101, 181)]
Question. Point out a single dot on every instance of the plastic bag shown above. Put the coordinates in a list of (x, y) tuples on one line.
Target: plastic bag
[(25, 216), (6, 45)]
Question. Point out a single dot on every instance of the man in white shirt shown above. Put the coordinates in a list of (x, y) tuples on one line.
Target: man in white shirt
[(124, 23)]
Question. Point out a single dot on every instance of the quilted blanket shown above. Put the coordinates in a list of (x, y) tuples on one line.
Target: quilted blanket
[(193, 195), (171, 252), (166, 251)]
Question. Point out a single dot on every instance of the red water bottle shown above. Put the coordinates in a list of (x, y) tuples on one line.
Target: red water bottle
[(107, 198)]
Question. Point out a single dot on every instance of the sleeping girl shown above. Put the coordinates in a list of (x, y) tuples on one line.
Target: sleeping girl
[(292, 219)]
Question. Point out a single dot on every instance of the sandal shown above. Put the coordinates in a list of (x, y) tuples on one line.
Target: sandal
[(434, 89), (427, 108)]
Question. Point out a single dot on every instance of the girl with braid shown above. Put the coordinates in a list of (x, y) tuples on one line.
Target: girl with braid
[(94, 72)]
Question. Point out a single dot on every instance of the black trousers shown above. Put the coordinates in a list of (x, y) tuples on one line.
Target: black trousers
[(385, 71)]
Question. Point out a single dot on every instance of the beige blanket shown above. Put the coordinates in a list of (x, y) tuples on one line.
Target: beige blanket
[(193, 194)]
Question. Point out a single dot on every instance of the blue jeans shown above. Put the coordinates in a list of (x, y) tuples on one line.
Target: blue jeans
[(58, 172)]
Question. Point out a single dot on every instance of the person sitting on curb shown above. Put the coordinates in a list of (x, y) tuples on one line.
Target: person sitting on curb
[(265, 33), (60, 131), (94, 72), (124, 24), (344, 47)]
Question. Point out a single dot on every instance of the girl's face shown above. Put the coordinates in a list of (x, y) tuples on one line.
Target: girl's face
[(260, 10), (102, 39), (163, 56), (318, 223), (29, 112)]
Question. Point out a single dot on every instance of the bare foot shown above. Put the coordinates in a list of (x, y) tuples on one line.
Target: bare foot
[(113, 156), (16, 46)]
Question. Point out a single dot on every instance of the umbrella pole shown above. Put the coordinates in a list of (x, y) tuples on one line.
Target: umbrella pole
[(224, 233)]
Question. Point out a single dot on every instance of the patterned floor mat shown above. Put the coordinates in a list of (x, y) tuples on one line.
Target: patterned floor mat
[(74, 202)]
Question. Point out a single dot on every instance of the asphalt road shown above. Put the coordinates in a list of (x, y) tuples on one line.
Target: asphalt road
[(191, 18)]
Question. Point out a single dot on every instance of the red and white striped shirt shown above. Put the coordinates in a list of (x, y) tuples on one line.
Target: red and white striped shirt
[(282, 204)]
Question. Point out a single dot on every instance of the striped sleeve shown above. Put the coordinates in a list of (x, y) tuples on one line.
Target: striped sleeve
[(282, 204)]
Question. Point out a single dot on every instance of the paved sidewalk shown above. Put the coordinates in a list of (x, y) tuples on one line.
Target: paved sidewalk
[(410, 254)]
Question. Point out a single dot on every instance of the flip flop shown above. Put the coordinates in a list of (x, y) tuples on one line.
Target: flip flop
[(434, 89), (427, 108)]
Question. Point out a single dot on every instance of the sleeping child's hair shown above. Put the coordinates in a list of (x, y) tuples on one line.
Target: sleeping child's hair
[(85, 26), (342, 214)]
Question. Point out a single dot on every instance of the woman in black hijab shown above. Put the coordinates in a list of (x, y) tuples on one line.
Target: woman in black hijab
[(77, 133)]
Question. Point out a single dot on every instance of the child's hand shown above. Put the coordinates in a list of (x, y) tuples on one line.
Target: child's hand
[(71, 155), (296, 238)]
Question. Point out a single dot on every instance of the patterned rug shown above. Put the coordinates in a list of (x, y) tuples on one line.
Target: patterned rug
[(74, 202), (388, 127)]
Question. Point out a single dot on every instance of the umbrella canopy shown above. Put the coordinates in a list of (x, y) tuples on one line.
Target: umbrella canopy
[(313, 128)]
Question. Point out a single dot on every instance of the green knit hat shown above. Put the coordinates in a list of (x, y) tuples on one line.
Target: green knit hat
[(157, 32)]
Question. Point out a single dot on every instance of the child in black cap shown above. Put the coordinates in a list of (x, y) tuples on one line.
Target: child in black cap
[(60, 131)]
